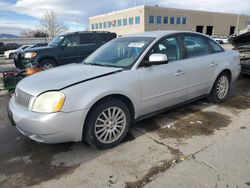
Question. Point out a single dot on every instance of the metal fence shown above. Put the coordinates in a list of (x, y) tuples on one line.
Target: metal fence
[(23, 41)]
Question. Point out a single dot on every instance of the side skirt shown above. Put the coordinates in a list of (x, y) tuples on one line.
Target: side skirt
[(169, 108)]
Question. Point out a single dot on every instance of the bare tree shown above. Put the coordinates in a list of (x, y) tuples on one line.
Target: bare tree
[(51, 25), (28, 33)]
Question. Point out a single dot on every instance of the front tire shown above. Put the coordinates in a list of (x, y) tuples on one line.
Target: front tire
[(107, 124), (47, 64), (221, 88)]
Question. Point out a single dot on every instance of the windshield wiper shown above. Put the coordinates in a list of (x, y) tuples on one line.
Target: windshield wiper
[(95, 64)]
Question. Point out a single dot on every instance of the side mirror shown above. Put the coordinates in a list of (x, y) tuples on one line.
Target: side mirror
[(156, 59)]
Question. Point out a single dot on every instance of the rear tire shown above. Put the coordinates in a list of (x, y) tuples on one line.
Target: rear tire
[(107, 124), (47, 64), (221, 88)]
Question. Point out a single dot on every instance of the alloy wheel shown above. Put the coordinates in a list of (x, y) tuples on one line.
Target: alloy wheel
[(222, 87), (110, 125)]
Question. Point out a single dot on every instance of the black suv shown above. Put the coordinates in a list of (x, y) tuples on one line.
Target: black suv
[(65, 49)]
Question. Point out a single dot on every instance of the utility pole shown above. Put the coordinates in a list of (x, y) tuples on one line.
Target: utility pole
[(237, 25)]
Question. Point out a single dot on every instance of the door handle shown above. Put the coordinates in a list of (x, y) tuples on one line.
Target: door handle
[(213, 64), (179, 73)]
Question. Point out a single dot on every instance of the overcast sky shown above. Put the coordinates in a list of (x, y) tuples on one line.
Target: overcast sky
[(16, 15)]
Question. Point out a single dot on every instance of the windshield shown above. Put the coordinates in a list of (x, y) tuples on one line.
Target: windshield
[(22, 47), (56, 41), (120, 52)]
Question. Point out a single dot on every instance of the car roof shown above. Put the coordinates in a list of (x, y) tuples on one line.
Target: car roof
[(158, 34)]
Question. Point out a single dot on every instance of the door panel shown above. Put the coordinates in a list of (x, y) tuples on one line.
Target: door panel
[(200, 65), (68, 52), (162, 86), (199, 75)]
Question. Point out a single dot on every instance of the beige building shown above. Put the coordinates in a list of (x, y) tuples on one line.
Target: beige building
[(151, 18)]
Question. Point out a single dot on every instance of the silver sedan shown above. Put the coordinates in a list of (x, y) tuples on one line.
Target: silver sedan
[(125, 80)]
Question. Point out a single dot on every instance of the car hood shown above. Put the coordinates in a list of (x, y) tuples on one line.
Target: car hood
[(61, 77)]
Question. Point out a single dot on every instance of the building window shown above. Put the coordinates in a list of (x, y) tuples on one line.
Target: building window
[(172, 19), (158, 19), (125, 22), (184, 20), (96, 26), (137, 20), (178, 20), (92, 26), (119, 23), (131, 21), (151, 19), (109, 24), (100, 25), (104, 24), (165, 20)]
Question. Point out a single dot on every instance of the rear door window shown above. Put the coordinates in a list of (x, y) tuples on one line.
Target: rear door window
[(88, 39), (216, 48), (72, 40), (196, 45)]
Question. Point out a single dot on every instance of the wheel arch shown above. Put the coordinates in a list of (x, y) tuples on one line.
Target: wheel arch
[(226, 70), (128, 102), (48, 57)]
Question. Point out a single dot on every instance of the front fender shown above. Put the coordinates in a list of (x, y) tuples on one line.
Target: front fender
[(86, 94)]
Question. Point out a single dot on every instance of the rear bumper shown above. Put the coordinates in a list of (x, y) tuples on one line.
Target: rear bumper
[(48, 128)]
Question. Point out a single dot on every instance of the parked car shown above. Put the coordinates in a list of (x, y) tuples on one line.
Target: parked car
[(125, 80), (8, 46), (18, 56), (2, 47), (244, 58), (11, 46), (10, 53), (217, 39), (65, 49), (224, 39)]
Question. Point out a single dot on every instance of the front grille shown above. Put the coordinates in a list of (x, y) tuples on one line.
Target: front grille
[(22, 98)]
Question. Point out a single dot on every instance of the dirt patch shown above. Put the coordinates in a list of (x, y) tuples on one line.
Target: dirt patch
[(237, 102), (154, 171), (198, 123), (150, 176), (30, 164)]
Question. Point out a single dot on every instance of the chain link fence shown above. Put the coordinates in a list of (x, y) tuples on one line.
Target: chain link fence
[(22, 41)]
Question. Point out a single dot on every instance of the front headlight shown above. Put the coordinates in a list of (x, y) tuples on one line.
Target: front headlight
[(30, 55), (49, 102)]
